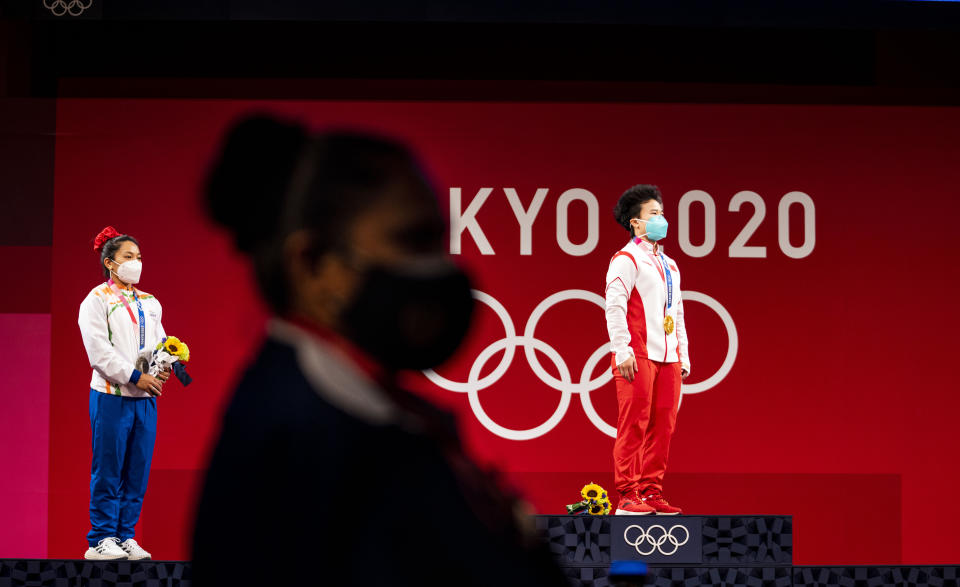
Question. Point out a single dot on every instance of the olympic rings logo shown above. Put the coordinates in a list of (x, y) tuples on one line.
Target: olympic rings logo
[(565, 384), (62, 7), (646, 537)]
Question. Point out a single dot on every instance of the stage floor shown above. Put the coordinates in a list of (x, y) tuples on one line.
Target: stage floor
[(679, 550)]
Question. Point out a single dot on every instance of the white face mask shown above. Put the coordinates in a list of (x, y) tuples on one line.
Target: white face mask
[(129, 271)]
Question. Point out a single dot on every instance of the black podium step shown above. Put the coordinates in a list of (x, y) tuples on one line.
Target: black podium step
[(780, 576), (739, 541), (84, 573), (754, 551)]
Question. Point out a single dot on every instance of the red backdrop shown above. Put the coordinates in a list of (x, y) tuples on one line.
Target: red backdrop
[(838, 406)]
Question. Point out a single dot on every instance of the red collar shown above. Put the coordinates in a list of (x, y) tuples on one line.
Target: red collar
[(655, 247), (111, 282), (361, 360)]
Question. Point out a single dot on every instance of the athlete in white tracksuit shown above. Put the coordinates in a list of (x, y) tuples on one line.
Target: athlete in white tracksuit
[(648, 336), (120, 326)]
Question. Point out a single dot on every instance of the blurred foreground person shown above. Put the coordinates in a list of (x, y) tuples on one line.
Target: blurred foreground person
[(326, 472)]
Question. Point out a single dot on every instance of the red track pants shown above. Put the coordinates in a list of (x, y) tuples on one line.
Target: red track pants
[(645, 424)]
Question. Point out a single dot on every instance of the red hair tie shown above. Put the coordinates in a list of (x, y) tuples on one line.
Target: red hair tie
[(102, 238)]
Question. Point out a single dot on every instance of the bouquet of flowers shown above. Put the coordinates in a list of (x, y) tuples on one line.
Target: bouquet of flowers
[(171, 353), (595, 501)]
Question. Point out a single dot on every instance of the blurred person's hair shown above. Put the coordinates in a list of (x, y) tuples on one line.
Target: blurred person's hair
[(273, 178)]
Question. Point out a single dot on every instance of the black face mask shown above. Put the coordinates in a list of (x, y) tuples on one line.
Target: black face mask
[(411, 317)]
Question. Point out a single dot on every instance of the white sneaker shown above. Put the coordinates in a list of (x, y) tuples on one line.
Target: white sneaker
[(134, 551), (105, 550)]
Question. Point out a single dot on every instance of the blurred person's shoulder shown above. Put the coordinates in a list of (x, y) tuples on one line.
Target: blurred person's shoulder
[(274, 389)]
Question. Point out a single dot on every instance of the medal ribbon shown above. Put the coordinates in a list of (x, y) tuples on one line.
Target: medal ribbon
[(666, 269)]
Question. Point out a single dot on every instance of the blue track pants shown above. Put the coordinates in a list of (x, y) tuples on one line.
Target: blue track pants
[(124, 430)]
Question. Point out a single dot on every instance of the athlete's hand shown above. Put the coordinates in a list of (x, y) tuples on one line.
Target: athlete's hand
[(683, 374), (628, 368), (164, 375), (150, 384)]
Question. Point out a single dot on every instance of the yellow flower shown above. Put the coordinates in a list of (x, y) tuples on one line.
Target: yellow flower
[(599, 508), (172, 345), (184, 352), (592, 491)]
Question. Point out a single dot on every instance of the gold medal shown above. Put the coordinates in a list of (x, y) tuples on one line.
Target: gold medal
[(668, 325)]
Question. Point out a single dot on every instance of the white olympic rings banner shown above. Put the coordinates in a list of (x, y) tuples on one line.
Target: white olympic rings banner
[(565, 384), (63, 7)]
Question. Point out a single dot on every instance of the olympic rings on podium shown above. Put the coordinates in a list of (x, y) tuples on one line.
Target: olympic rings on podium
[(656, 544)]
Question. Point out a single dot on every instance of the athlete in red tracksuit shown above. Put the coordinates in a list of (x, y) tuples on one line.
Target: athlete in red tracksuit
[(648, 337)]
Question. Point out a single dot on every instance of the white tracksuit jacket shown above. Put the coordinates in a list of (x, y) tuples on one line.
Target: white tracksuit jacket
[(636, 305), (112, 338)]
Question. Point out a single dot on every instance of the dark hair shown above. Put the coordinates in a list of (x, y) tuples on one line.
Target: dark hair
[(632, 200), (110, 249), (272, 178)]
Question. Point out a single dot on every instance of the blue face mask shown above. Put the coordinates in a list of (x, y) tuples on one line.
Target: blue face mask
[(656, 227)]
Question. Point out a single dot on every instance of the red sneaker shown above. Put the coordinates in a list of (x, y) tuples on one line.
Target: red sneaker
[(655, 501), (629, 506)]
